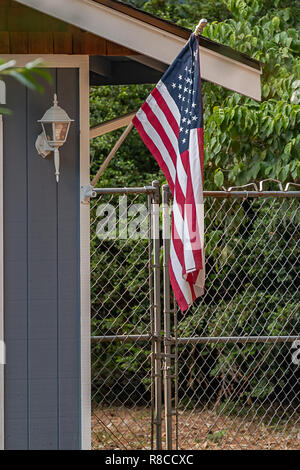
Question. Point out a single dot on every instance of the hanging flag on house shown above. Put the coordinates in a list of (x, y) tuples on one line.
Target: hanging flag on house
[(170, 123)]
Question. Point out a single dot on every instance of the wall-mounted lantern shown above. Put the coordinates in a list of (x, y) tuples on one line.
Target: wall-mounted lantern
[(55, 124)]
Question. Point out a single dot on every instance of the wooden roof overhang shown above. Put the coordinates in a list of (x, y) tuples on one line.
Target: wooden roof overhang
[(126, 45)]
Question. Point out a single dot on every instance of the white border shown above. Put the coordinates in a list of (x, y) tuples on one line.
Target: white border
[(150, 41), (82, 63), (1, 290)]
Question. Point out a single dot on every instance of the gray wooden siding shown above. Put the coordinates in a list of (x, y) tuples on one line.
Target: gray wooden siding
[(42, 274)]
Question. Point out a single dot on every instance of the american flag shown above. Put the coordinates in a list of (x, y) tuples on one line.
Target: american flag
[(170, 123)]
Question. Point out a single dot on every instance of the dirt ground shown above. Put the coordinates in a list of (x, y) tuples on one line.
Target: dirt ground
[(120, 428)]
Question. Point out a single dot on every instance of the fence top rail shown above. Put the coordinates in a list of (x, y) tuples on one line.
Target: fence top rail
[(235, 339), (217, 194), (121, 338), (134, 190), (224, 194)]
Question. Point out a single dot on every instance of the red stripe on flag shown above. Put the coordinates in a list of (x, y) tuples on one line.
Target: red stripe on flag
[(185, 160), (177, 243), (166, 110), (201, 149), (160, 130), (191, 215), (154, 150), (191, 284), (179, 198), (183, 305)]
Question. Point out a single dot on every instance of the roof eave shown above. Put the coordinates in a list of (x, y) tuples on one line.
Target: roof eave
[(180, 31), (151, 37)]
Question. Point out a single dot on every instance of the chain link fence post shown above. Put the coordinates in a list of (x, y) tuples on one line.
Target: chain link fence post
[(167, 318), (151, 308), (156, 343), (176, 369)]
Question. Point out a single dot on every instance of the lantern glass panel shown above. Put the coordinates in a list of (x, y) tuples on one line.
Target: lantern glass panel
[(60, 131), (48, 131)]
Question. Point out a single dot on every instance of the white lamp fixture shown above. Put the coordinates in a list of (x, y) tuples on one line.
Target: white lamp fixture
[(55, 124)]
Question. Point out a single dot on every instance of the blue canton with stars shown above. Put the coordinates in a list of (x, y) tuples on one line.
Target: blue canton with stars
[(183, 82)]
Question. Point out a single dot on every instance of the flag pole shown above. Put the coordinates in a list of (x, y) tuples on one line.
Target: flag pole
[(200, 26)]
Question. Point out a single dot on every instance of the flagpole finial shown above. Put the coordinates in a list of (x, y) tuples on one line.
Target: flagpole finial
[(200, 26)]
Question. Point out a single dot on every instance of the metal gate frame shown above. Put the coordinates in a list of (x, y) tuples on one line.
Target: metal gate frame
[(155, 336)]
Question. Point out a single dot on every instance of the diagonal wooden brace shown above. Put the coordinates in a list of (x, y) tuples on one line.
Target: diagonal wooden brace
[(111, 154)]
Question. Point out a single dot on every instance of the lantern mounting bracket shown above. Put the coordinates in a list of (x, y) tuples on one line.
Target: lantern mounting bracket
[(42, 146)]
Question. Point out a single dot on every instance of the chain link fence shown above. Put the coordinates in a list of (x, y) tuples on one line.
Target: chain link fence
[(237, 349), (225, 375)]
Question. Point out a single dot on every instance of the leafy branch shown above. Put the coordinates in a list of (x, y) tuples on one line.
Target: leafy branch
[(27, 75)]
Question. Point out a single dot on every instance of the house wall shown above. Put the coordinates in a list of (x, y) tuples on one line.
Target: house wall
[(42, 400)]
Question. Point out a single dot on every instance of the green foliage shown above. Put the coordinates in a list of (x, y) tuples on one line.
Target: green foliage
[(185, 13), (217, 436), (248, 140), (27, 75)]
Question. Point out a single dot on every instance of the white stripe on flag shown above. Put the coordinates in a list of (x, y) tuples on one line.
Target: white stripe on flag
[(181, 174), (155, 137), (187, 247), (169, 100), (177, 270), (196, 176), (195, 166), (179, 223), (164, 122)]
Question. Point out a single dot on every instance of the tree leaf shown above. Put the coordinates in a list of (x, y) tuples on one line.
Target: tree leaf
[(219, 178)]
